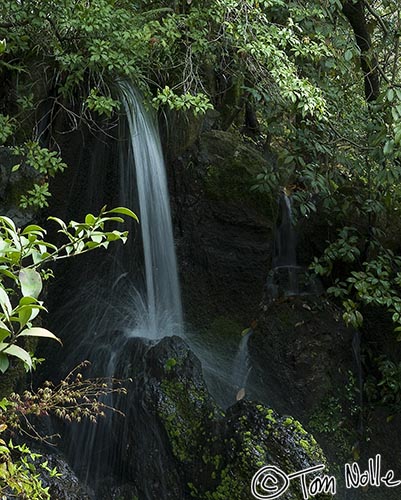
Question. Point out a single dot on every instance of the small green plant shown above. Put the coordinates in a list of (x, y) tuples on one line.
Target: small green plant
[(267, 181), (43, 160), (385, 388), (336, 418), (24, 259), (47, 163), (36, 197), (75, 398), (198, 103), (375, 283), (101, 104), (7, 126), (19, 474)]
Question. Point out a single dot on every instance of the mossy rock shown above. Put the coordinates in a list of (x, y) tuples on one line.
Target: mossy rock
[(255, 436), (230, 169), (213, 453)]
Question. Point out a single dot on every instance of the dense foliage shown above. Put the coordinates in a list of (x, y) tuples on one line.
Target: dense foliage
[(315, 84)]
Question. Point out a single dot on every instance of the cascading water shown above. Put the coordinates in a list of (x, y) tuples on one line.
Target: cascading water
[(117, 320), (286, 241), (112, 309), (163, 301)]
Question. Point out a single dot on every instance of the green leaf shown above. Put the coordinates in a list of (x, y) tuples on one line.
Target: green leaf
[(39, 332), (4, 331), (388, 147), (31, 283), (3, 405), (17, 352), (123, 211), (348, 55), (8, 273), (5, 302), (4, 362), (90, 219), (60, 222), (33, 228)]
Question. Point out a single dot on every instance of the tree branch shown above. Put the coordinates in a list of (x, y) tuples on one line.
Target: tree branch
[(355, 13), (376, 16)]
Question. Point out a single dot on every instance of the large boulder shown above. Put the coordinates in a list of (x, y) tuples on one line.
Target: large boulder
[(179, 444), (308, 349)]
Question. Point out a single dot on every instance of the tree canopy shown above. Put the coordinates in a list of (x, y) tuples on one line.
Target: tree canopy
[(316, 84)]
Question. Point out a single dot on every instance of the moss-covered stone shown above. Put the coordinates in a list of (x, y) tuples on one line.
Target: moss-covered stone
[(231, 167), (217, 453)]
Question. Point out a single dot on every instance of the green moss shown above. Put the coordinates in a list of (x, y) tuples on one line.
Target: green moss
[(330, 420), (269, 416), (228, 465), (182, 412), (225, 327), (231, 170), (170, 363)]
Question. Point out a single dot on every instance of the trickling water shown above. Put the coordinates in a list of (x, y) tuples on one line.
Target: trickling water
[(242, 366), (285, 240), (287, 278), (356, 351)]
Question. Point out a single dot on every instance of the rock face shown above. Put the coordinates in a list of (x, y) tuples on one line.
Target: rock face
[(304, 342), (65, 486), (178, 444), (224, 231), (13, 185)]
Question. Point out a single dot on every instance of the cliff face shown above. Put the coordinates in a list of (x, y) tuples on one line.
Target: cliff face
[(302, 357), (224, 232)]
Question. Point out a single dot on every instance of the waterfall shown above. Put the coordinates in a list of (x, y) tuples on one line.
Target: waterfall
[(287, 278), (116, 318), (145, 156), (112, 302), (241, 366), (285, 241)]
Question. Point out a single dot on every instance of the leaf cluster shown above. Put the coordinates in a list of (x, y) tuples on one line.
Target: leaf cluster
[(24, 259)]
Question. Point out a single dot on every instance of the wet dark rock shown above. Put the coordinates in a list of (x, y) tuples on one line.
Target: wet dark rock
[(66, 486), (179, 444), (252, 435), (109, 491), (308, 349), (224, 231), (13, 185)]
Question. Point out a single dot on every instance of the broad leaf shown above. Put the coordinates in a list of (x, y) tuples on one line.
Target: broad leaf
[(31, 283), (123, 211), (39, 332), (5, 302), (17, 352), (4, 362)]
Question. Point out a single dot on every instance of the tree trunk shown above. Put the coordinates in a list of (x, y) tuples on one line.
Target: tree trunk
[(355, 13)]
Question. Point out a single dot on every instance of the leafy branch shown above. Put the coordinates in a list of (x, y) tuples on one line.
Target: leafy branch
[(24, 255)]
